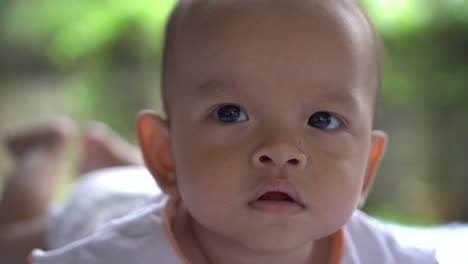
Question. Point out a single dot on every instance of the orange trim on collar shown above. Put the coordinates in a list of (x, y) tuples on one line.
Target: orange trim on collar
[(337, 247)]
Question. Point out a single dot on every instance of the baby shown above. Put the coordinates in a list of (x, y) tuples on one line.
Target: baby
[(267, 150)]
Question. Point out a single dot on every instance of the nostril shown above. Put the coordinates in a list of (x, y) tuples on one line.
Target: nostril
[(279, 159), (293, 161), (265, 159)]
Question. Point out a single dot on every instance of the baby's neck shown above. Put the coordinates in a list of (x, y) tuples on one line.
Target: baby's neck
[(202, 246)]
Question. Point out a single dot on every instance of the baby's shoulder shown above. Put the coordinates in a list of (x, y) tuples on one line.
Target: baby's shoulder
[(139, 237), (367, 240)]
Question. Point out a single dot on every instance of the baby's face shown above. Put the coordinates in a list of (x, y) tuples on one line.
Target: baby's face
[(271, 118)]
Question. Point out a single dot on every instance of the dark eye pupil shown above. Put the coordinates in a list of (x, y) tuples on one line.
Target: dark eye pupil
[(320, 120), (229, 113)]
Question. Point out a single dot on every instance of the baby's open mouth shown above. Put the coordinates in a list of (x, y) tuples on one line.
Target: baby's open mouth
[(276, 196), (279, 198)]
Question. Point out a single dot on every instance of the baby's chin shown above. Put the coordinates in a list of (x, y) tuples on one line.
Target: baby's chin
[(279, 243), (280, 237)]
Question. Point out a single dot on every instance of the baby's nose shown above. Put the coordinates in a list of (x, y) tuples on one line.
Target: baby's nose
[(279, 155)]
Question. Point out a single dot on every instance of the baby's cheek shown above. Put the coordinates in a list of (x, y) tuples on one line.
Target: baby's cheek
[(337, 145), (337, 185), (219, 153), (209, 165)]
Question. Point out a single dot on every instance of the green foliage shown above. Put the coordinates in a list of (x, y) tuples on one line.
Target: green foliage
[(425, 39), (398, 16), (87, 39), (76, 30), (425, 46)]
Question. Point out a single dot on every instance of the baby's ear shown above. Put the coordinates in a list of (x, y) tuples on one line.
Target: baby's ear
[(377, 152), (155, 143)]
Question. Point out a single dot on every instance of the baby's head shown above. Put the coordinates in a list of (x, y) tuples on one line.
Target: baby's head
[(270, 107)]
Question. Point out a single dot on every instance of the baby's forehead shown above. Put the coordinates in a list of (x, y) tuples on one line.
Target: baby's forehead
[(345, 12), (194, 21)]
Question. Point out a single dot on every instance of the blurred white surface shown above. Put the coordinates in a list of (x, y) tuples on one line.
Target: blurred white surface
[(450, 241)]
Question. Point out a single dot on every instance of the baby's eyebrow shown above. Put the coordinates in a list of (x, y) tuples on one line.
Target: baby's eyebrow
[(340, 97), (349, 102), (214, 86), (336, 97)]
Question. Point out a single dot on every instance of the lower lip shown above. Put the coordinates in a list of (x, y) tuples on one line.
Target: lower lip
[(277, 207)]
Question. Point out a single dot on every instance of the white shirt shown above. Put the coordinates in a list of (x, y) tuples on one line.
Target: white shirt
[(144, 237)]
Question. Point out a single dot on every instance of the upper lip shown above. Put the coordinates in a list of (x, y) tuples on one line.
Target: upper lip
[(282, 186)]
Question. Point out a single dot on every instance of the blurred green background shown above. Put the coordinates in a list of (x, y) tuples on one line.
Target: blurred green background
[(99, 60)]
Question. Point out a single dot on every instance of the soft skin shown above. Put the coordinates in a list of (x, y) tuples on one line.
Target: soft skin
[(280, 64)]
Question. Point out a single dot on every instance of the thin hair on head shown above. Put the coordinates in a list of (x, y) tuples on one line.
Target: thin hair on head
[(182, 10)]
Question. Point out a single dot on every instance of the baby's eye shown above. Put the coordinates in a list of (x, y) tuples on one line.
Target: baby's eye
[(325, 121), (230, 113)]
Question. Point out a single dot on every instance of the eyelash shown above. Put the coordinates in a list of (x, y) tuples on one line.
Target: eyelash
[(233, 114), (236, 114), (331, 119)]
